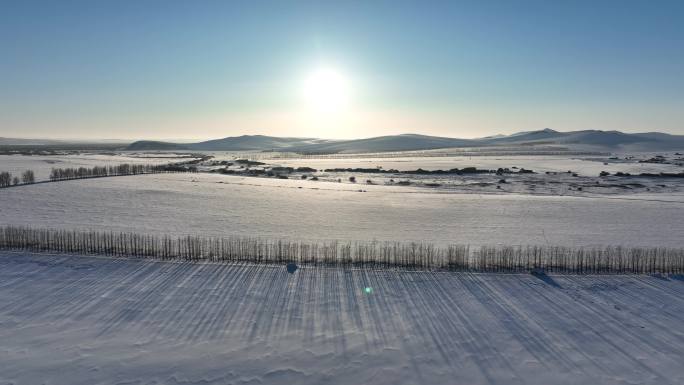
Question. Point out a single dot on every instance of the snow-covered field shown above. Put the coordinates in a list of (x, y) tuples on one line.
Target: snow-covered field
[(42, 164), (566, 174), (219, 205), (583, 165), (83, 320)]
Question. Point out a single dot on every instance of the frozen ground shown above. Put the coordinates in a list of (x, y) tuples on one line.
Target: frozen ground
[(82, 320), (219, 205)]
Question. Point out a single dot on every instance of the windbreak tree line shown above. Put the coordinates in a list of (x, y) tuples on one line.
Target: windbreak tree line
[(6, 178), (121, 169), (57, 174), (423, 256)]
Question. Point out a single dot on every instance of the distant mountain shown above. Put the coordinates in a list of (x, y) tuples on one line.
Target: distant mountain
[(528, 136), (62, 143), (587, 139), (254, 142), (28, 142), (597, 139), (233, 143), (604, 138), (405, 142), (151, 145)]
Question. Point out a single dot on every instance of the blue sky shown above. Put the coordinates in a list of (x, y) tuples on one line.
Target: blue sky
[(204, 69)]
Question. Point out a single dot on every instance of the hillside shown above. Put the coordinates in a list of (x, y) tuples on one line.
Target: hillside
[(404, 142), (254, 142), (591, 139), (143, 145)]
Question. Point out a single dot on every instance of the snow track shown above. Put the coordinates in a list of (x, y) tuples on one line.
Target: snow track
[(82, 320)]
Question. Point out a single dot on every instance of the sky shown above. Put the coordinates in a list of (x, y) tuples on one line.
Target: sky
[(195, 70)]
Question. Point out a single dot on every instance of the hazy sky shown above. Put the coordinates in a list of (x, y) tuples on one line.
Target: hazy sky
[(203, 69)]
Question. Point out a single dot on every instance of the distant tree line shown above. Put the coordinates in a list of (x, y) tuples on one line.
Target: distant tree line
[(420, 171), (57, 174), (121, 169), (425, 256), (6, 178), (645, 174)]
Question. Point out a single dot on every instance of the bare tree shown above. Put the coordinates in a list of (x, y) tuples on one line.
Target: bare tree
[(5, 179), (424, 256), (28, 177), (121, 169)]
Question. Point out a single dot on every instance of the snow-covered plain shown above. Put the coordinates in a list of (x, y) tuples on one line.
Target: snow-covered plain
[(219, 205), (83, 320), (583, 165), (564, 174)]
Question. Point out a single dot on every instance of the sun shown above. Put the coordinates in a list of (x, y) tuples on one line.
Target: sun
[(326, 90)]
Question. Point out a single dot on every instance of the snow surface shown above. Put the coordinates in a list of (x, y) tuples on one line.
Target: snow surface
[(219, 205), (84, 320)]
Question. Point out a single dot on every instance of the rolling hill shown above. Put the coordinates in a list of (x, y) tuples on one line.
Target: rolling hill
[(585, 139), (233, 143)]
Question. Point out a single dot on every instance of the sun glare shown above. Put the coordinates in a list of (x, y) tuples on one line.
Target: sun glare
[(326, 90)]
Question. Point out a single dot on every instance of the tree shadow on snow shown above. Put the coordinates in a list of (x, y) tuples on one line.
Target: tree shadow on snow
[(540, 274)]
